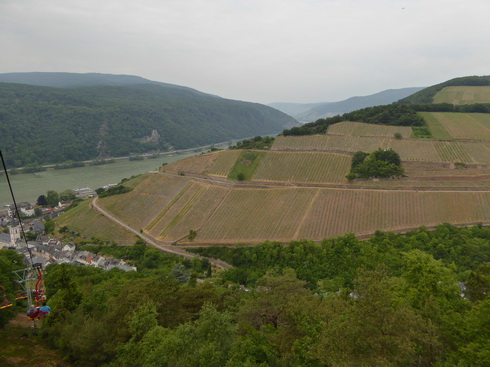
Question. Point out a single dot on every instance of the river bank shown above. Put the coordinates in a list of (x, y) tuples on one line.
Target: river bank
[(28, 186)]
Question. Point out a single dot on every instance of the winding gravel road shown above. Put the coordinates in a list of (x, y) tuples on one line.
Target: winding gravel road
[(153, 242)]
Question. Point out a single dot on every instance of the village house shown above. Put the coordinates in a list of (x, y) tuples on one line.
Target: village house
[(26, 209), (52, 251)]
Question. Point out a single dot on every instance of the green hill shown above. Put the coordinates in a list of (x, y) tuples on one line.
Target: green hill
[(427, 95), (405, 111), (80, 117)]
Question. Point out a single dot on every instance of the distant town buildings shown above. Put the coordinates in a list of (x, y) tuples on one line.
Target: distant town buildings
[(49, 250)]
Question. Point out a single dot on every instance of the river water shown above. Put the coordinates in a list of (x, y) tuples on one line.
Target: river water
[(28, 186)]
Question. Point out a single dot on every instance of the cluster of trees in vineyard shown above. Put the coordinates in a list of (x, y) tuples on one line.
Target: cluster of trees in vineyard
[(259, 142), (382, 163), (415, 299), (115, 190)]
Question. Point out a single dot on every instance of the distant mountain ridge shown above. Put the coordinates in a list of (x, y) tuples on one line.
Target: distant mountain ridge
[(307, 112), (75, 80), (57, 117)]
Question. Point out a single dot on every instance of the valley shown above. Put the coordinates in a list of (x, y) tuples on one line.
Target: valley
[(351, 218), (299, 190)]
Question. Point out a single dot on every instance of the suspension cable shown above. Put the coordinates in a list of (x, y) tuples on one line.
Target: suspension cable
[(16, 209)]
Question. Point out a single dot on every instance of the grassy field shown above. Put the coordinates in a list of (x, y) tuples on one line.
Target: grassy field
[(447, 125), (436, 128), (463, 95), (351, 128), (304, 167), (246, 164)]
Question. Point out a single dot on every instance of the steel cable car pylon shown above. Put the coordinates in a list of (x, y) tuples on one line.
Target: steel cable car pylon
[(31, 278)]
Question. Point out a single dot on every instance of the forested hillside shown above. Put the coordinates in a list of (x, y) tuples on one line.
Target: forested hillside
[(415, 299), (41, 125)]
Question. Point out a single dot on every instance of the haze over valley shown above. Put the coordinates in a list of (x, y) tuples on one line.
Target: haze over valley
[(258, 183)]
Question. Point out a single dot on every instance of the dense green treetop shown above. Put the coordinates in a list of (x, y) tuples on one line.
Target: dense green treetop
[(341, 257), (257, 142), (381, 163), (9, 261), (392, 300)]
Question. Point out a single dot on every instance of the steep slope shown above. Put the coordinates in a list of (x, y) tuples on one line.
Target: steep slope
[(45, 124), (427, 95), (313, 111)]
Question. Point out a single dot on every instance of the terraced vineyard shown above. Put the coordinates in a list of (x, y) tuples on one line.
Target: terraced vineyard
[(146, 200), (180, 204), (463, 95), (434, 171), (224, 163), (329, 143), (336, 212), (446, 125), (255, 215), (417, 150), (202, 209), (196, 164), (351, 128), (304, 167), (94, 225), (479, 152), (252, 215)]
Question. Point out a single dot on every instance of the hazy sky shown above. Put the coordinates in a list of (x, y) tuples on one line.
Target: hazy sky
[(254, 50)]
